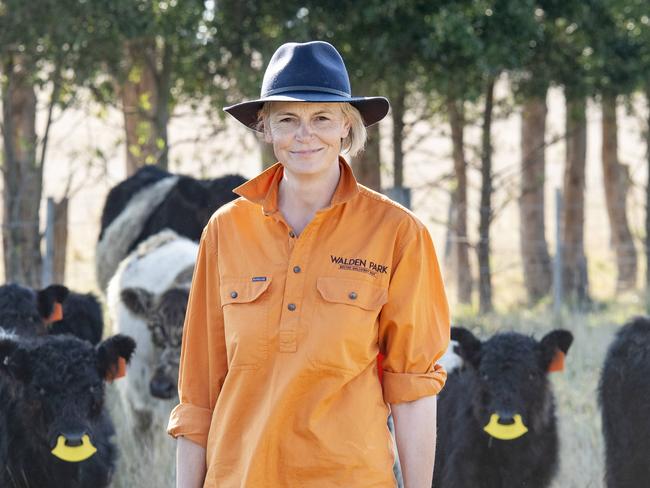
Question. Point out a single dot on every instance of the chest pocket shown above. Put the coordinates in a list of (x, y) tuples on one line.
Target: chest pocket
[(343, 331), (245, 306)]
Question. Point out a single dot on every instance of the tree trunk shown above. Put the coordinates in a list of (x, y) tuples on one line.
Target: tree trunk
[(574, 263), (22, 178), (616, 182), (463, 272), (534, 250), (647, 205), (397, 112), (367, 164), (267, 156), (483, 248), (145, 101), (60, 239)]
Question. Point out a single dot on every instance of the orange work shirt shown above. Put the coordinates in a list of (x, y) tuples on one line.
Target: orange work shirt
[(278, 372)]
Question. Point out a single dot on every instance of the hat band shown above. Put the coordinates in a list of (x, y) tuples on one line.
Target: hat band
[(285, 89)]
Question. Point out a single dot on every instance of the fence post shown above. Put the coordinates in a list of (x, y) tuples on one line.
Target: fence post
[(48, 258), (557, 263)]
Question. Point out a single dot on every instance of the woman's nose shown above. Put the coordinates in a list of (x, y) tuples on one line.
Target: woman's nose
[(304, 130)]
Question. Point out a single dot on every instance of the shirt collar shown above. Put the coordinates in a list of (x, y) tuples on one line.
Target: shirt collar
[(264, 188)]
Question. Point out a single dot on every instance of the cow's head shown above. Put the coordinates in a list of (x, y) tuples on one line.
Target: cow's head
[(164, 316), (58, 388), (510, 390), (27, 312)]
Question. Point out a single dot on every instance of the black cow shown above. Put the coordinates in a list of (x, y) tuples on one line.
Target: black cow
[(54, 428), (82, 317), (624, 397), (52, 310), (144, 204), (497, 426)]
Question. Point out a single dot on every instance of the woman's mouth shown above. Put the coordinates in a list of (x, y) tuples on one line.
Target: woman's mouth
[(305, 152)]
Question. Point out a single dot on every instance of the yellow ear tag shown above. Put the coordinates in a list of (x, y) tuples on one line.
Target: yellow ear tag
[(74, 454), (505, 432)]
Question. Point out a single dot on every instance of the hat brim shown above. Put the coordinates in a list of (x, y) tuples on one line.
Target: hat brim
[(372, 109)]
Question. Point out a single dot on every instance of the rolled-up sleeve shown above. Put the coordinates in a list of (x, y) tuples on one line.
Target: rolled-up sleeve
[(414, 323), (203, 363)]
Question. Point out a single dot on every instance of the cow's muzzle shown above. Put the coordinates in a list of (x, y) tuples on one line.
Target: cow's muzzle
[(73, 447), (505, 427)]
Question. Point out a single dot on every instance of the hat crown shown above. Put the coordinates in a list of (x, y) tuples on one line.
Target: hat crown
[(312, 66)]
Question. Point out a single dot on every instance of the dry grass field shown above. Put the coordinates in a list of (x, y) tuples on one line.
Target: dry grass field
[(87, 150)]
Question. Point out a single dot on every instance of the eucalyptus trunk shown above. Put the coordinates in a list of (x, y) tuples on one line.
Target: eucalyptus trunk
[(534, 249), (145, 103), (462, 269), (22, 175), (397, 112), (483, 247), (267, 156), (575, 280), (367, 164), (616, 182), (647, 204)]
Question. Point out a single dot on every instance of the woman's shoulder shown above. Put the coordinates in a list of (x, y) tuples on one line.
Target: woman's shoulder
[(389, 210)]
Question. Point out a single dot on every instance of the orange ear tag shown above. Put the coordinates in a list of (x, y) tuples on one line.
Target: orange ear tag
[(116, 373), (557, 364), (56, 315)]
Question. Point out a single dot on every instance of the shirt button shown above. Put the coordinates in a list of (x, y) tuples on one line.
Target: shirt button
[(353, 295), (233, 294), (291, 307), (296, 269), (292, 234)]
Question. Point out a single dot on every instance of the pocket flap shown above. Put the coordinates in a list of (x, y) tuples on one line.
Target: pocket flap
[(243, 290), (352, 292)]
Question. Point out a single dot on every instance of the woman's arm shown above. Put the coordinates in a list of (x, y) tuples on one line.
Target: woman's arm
[(415, 433), (190, 464)]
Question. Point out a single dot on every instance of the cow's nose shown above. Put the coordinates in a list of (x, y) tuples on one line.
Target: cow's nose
[(73, 438), (161, 388), (506, 418)]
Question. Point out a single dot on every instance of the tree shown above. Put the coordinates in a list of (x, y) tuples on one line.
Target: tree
[(48, 46), (617, 54), (157, 55)]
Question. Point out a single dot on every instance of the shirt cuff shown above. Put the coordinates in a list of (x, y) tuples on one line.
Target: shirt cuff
[(190, 421), (408, 387)]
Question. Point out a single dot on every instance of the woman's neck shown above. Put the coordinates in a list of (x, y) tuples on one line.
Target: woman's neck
[(301, 196)]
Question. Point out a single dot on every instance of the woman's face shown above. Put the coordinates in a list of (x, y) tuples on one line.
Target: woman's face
[(306, 136)]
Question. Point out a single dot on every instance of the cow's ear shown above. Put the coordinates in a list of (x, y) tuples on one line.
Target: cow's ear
[(14, 360), (553, 348), (138, 300), (49, 302), (112, 356), (469, 347)]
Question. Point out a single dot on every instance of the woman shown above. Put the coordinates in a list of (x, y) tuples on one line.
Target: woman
[(298, 286)]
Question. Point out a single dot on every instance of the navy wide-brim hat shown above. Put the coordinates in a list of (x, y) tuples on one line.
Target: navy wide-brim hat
[(308, 72)]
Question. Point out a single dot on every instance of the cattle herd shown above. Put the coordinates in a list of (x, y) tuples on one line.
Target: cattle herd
[(497, 428)]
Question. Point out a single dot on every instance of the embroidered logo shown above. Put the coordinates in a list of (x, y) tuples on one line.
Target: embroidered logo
[(359, 265)]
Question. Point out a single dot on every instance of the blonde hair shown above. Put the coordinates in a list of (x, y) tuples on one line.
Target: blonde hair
[(352, 145)]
